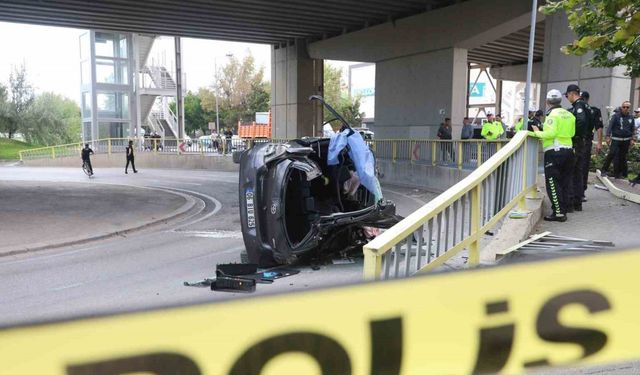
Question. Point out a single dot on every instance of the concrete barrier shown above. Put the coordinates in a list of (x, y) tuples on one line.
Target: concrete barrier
[(144, 160), (419, 176)]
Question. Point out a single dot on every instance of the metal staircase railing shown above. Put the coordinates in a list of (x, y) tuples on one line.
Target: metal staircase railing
[(456, 219)]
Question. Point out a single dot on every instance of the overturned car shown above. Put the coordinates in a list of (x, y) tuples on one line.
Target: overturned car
[(310, 196)]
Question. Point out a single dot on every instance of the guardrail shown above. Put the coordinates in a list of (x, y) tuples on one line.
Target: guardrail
[(215, 146), (459, 153), (467, 154), (457, 218)]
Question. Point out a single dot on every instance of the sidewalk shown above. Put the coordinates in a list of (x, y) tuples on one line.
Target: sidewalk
[(604, 217), (36, 215)]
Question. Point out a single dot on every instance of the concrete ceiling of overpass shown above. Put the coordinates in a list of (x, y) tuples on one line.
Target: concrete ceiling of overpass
[(511, 49), (273, 22), (256, 21)]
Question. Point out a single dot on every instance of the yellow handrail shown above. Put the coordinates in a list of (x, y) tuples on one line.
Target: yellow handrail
[(470, 187)]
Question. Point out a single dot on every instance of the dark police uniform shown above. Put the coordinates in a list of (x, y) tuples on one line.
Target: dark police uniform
[(595, 125), (582, 112), (621, 130), (130, 159), (86, 152)]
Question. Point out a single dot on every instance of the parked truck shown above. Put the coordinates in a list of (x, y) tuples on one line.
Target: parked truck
[(260, 128)]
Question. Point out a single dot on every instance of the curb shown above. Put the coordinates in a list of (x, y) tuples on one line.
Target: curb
[(616, 191), (180, 212), (513, 231)]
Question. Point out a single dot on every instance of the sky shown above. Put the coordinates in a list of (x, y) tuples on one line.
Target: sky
[(52, 57)]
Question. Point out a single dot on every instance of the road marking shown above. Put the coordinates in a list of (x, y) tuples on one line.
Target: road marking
[(67, 286), (210, 234), (218, 205)]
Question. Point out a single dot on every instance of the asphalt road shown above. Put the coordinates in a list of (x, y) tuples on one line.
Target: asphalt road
[(147, 268)]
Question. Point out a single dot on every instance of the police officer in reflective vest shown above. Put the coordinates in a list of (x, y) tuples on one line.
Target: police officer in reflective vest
[(619, 136), (559, 129), (582, 112)]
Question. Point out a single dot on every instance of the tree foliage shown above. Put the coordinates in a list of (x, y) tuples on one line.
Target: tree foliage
[(609, 28), (336, 95), (44, 119), (52, 119), (241, 93)]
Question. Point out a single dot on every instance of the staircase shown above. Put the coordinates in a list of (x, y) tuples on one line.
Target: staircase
[(154, 82)]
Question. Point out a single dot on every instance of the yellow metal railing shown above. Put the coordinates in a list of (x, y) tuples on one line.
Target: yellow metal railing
[(459, 153), (457, 219)]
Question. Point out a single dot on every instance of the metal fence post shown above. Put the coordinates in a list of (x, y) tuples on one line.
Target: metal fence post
[(394, 150), (474, 246), (522, 203), (460, 155), (433, 153), (411, 147), (109, 146), (479, 158), (372, 265), (53, 152)]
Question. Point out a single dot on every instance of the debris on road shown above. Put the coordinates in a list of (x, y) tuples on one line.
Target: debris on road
[(238, 277)]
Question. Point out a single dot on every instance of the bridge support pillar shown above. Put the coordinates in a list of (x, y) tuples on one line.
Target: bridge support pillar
[(294, 77), (415, 93)]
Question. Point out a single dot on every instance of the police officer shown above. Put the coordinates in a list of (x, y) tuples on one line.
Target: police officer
[(559, 129), (619, 137), (582, 112), (531, 122), (491, 130), (596, 126)]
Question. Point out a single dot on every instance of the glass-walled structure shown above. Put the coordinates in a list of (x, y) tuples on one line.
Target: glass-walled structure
[(107, 85)]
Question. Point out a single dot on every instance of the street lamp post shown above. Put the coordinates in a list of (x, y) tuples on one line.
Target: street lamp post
[(215, 68), (532, 37)]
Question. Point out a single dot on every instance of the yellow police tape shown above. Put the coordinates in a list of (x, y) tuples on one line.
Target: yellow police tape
[(569, 312)]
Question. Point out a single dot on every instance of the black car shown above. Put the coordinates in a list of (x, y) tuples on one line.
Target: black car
[(292, 202)]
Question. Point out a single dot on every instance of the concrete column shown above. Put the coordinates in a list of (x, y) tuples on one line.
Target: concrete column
[(179, 83), (415, 93), (294, 77), (607, 86)]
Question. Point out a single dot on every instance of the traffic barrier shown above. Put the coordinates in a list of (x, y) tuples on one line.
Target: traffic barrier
[(456, 219), (574, 311), (466, 154)]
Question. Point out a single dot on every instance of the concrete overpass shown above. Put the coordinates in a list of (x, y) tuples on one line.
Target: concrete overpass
[(422, 49)]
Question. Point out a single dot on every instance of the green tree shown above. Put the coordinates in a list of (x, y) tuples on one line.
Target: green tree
[(193, 113), (5, 112), (609, 28), (20, 99), (52, 119), (336, 95)]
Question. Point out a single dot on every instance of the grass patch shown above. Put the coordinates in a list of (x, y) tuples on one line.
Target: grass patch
[(9, 148)]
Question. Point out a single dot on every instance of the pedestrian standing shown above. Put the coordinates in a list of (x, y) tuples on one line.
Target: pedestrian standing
[(467, 129), (620, 134), (130, 158), (228, 135), (445, 134), (594, 126), (582, 113), (559, 129)]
